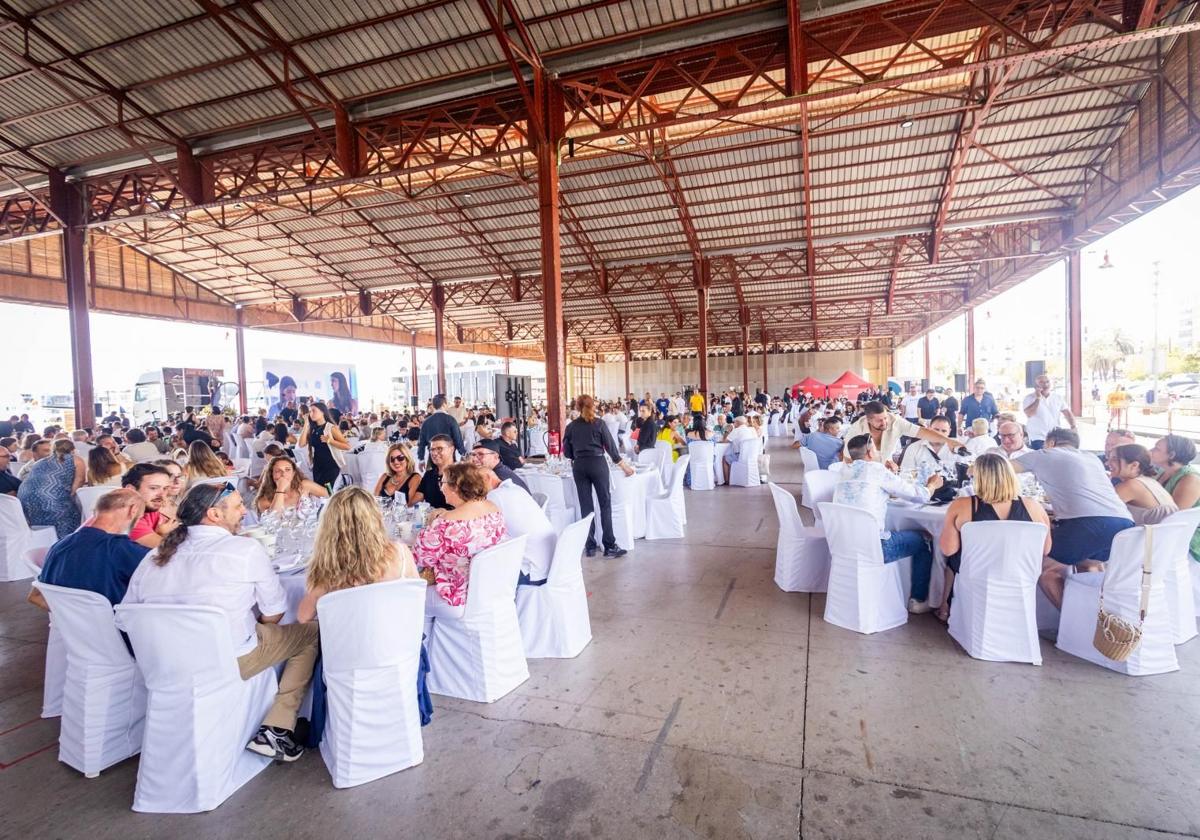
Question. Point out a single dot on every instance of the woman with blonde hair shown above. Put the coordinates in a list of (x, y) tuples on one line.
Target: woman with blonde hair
[(997, 497), (401, 478), (203, 463), (104, 470), (352, 549), (282, 486)]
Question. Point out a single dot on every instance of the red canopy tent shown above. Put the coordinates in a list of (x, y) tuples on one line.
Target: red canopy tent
[(809, 386), (848, 385)]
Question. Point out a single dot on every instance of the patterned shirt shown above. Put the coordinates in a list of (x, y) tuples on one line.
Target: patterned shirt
[(447, 547), (869, 484)]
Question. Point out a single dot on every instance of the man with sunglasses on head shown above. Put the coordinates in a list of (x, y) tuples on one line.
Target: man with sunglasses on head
[(203, 563)]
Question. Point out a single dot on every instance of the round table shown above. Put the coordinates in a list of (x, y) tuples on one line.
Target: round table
[(905, 516), (629, 494)]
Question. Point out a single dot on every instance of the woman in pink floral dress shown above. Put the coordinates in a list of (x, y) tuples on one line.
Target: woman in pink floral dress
[(449, 542)]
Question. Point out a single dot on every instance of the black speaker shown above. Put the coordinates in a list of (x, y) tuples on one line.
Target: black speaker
[(907, 385), (924, 385), (97, 410), (960, 382), (1033, 370), (416, 401)]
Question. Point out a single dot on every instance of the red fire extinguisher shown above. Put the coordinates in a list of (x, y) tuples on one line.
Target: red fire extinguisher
[(554, 443)]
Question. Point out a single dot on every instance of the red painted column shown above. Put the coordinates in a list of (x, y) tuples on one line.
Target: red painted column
[(439, 335), (625, 346), (1074, 333), (766, 390), (702, 270), (549, 105), (745, 360), (970, 347), (927, 365), (68, 203), (240, 343)]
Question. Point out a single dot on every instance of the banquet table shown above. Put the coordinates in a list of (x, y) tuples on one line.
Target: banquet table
[(906, 516), (629, 494), (719, 450)]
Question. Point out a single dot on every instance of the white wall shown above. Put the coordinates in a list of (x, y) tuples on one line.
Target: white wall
[(670, 375)]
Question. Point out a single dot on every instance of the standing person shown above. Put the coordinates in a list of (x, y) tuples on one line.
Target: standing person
[(950, 411), (662, 404), (978, 403), (1117, 401), (927, 407), (1042, 408), (886, 430), (203, 563), (440, 422), (697, 407), (322, 437), (738, 405), (585, 442), (912, 406)]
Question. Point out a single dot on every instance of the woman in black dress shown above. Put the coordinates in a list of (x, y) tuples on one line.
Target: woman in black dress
[(997, 497), (401, 479), (322, 437), (586, 441)]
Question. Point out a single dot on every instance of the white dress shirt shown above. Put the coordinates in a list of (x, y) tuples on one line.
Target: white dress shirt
[(139, 452), (869, 484), (738, 436), (1048, 415), (214, 568)]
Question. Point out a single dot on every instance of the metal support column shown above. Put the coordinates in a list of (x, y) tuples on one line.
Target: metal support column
[(745, 359), (928, 377), (764, 347), (702, 281), (416, 380), (439, 334), (67, 202), (548, 101), (625, 347), (1074, 334), (970, 347), (240, 343)]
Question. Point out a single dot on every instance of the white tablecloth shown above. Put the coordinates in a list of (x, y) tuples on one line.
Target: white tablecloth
[(719, 450), (629, 494), (902, 516)]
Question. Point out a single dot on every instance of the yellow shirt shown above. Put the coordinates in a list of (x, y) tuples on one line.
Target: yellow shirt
[(696, 402)]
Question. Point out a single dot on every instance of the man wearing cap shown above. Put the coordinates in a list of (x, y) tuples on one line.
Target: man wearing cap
[(486, 454)]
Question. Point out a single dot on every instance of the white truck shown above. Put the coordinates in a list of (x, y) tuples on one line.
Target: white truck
[(165, 391)]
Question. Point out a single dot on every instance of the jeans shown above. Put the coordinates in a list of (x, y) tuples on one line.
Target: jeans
[(914, 544)]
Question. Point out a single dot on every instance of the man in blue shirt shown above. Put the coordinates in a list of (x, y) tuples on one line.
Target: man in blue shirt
[(99, 556), (979, 403), (662, 404), (826, 444)]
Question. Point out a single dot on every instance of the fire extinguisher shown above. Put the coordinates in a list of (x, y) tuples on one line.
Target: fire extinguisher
[(554, 443)]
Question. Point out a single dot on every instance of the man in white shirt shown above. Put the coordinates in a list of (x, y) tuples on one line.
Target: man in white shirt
[(1012, 441), (739, 434), (83, 446), (926, 456), (1043, 408), (912, 405), (885, 430), (138, 449), (202, 562), (866, 484)]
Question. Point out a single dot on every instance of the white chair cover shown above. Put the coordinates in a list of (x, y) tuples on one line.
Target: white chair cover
[(993, 614), (1181, 600), (818, 487), (659, 457), (200, 714), (243, 448), (701, 453), (561, 510), (1122, 579), (87, 498), (809, 459), (229, 443), (628, 510), (302, 462), (524, 517), (744, 471), (554, 618), (536, 437), (353, 470), (371, 465), (480, 656), (257, 462), (801, 554), (865, 594), (104, 698), (17, 538), (665, 513), (371, 650)]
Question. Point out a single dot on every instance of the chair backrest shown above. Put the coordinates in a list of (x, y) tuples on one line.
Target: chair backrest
[(750, 450), (852, 533), (787, 510), (809, 459), (179, 646), (372, 626), (87, 498), (12, 518), (85, 619), (551, 486), (818, 487), (542, 500), (567, 566), (371, 465), (1189, 516), (493, 576), (241, 465), (701, 451), (1123, 571), (680, 472), (1002, 550), (216, 480)]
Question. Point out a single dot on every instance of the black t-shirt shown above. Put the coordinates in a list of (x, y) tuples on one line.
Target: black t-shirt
[(431, 489), (22, 426), (289, 415), (927, 407), (9, 483), (510, 455)]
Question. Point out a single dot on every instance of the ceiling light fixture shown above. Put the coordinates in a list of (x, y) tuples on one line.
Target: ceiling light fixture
[(907, 122), (621, 141)]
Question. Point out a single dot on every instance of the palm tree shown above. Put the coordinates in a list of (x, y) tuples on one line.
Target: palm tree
[(1107, 354)]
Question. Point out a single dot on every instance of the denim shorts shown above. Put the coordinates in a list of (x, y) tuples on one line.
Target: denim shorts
[(1085, 538)]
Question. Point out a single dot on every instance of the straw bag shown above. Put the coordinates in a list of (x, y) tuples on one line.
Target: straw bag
[(1115, 636)]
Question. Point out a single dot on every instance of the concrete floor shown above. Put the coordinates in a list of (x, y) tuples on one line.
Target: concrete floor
[(709, 705)]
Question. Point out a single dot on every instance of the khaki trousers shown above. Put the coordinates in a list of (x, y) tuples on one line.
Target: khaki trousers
[(294, 644)]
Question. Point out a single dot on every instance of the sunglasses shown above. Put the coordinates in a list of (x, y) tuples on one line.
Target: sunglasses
[(397, 459)]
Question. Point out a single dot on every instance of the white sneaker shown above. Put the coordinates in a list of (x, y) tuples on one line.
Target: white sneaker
[(918, 607)]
